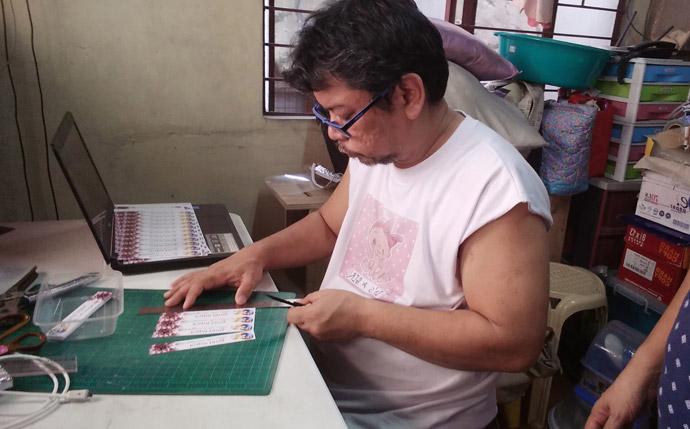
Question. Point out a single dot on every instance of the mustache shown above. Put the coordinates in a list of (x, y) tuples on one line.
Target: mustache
[(366, 160)]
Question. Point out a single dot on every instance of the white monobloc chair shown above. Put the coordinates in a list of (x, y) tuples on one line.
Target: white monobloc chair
[(571, 290)]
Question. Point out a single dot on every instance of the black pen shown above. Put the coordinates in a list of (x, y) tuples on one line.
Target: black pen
[(284, 301)]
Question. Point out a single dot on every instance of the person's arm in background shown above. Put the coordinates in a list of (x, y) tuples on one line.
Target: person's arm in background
[(504, 270), (308, 240), (636, 386)]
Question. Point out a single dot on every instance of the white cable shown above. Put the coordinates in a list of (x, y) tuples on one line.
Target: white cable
[(53, 399), (49, 404)]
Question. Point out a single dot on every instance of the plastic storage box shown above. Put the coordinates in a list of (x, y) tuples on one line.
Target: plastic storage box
[(553, 62), (51, 309), (570, 413), (573, 411), (621, 170), (607, 355), (648, 92), (653, 88), (632, 306), (637, 132), (645, 111), (635, 151), (651, 70)]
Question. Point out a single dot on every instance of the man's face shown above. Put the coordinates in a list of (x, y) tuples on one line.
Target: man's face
[(374, 139)]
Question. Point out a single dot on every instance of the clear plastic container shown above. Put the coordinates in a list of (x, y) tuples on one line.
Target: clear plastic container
[(573, 411), (608, 354), (55, 303)]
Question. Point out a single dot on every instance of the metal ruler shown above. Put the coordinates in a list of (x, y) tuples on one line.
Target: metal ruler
[(20, 367), (219, 306)]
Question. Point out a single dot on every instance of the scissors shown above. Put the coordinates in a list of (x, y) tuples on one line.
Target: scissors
[(19, 295), (17, 321)]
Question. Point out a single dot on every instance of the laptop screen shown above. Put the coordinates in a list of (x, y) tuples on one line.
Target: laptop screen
[(87, 185)]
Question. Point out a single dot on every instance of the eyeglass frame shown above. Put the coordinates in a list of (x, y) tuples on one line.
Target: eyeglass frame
[(343, 128)]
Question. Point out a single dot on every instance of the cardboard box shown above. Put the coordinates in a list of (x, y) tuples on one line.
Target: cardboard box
[(664, 201), (657, 241), (659, 279)]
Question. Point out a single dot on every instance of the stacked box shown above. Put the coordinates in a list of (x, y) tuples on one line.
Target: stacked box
[(664, 201), (656, 278), (655, 258)]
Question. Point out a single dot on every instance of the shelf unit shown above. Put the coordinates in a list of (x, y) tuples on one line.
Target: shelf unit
[(653, 88)]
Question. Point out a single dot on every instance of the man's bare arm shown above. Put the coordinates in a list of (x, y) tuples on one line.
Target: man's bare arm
[(305, 241), (504, 270)]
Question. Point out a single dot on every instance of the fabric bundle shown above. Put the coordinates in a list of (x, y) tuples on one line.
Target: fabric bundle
[(568, 129)]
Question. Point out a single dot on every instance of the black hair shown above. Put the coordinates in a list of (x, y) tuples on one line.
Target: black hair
[(369, 45)]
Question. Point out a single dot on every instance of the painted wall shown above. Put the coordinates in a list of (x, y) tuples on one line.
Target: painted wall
[(167, 94)]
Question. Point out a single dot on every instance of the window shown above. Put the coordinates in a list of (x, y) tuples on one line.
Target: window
[(282, 20), (588, 22)]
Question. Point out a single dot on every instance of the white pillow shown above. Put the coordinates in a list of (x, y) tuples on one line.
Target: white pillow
[(464, 92)]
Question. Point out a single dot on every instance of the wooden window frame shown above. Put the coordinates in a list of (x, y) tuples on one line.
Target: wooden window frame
[(469, 16)]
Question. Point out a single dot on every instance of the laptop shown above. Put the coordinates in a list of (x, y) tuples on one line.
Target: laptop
[(141, 238)]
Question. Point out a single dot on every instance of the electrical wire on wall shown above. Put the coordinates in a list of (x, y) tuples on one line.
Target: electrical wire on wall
[(631, 5), (16, 107), (43, 114), (14, 37)]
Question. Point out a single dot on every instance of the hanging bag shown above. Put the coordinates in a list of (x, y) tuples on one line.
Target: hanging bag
[(565, 162), (601, 135)]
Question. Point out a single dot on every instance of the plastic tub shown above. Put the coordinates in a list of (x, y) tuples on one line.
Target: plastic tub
[(573, 411), (553, 62), (610, 352), (51, 309), (634, 307)]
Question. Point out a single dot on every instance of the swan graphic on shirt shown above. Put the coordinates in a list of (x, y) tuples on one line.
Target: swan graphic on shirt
[(379, 251)]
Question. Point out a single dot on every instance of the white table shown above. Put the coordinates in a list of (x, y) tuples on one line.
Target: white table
[(299, 397)]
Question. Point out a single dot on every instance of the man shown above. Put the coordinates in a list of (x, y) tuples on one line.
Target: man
[(437, 232)]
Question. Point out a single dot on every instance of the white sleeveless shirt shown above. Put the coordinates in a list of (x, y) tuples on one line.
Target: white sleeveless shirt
[(399, 243)]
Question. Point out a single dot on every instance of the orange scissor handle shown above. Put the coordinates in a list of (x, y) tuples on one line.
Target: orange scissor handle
[(16, 322), (19, 343)]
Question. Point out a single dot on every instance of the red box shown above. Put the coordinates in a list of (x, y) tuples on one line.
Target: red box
[(650, 274), (651, 245)]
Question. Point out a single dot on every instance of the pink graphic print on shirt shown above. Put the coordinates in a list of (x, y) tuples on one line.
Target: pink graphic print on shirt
[(379, 251)]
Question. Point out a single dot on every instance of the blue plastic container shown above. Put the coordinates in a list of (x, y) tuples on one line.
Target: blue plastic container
[(553, 62), (653, 72), (639, 134)]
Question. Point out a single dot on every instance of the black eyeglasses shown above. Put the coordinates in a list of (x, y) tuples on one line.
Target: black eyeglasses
[(323, 116)]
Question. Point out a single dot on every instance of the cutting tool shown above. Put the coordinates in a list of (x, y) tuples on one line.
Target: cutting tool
[(16, 321)]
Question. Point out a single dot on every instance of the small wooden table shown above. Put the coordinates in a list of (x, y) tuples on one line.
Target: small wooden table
[(298, 196)]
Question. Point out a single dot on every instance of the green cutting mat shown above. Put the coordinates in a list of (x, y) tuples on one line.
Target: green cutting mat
[(121, 363)]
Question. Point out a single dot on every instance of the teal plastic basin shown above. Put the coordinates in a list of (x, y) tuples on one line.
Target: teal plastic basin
[(553, 62)]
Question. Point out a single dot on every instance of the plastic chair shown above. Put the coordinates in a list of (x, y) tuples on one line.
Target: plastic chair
[(572, 289)]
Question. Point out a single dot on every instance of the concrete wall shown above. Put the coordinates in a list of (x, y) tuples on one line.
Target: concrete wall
[(167, 94)]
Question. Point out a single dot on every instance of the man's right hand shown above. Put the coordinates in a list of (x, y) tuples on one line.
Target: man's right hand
[(239, 270)]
